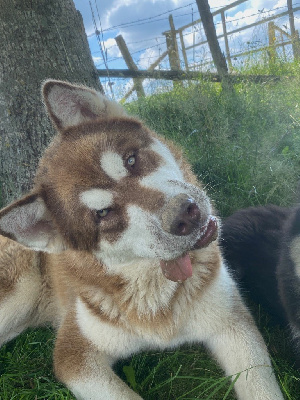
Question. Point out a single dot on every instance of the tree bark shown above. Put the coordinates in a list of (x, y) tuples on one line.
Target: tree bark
[(211, 35), (39, 39)]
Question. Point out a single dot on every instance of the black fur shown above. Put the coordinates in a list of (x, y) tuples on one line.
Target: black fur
[(251, 245), (257, 244), (288, 275)]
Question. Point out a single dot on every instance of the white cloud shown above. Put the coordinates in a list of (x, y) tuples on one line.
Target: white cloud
[(267, 4), (147, 58), (116, 13), (141, 23), (112, 49)]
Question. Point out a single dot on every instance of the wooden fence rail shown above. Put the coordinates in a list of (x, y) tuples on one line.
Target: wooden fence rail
[(181, 75), (177, 75), (226, 34)]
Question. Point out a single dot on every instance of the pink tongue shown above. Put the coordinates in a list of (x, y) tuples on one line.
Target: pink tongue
[(177, 270)]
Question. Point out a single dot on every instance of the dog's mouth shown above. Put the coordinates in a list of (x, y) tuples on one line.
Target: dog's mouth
[(179, 269)]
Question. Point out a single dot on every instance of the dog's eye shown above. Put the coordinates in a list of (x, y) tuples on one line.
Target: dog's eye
[(102, 213), (131, 161)]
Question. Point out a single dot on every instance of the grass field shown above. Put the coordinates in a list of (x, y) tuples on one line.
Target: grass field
[(244, 144)]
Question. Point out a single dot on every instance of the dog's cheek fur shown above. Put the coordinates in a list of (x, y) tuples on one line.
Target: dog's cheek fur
[(185, 167)]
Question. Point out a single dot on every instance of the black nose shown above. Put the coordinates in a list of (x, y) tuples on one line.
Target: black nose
[(187, 219)]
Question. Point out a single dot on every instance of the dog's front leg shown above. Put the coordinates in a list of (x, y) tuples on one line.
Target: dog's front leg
[(240, 350), (84, 369)]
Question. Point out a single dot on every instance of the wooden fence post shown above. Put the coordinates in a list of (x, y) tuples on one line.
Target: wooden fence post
[(294, 32), (173, 49), (272, 39), (226, 41), (151, 68), (211, 35), (138, 83), (172, 46), (186, 63)]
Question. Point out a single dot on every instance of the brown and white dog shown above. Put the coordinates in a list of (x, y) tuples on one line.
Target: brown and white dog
[(117, 250)]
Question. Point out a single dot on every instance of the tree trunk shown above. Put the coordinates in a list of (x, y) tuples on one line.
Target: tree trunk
[(39, 39), (211, 35)]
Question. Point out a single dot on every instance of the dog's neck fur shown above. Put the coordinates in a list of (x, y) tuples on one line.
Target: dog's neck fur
[(139, 297)]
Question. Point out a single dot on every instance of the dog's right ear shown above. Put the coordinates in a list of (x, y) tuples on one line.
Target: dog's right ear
[(28, 222), (69, 105)]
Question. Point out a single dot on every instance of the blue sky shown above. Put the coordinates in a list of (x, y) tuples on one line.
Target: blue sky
[(141, 23)]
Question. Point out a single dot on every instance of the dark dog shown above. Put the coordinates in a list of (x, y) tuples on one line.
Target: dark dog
[(288, 275), (262, 248)]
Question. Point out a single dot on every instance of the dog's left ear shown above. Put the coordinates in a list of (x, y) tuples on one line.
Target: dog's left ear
[(28, 222), (69, 105)]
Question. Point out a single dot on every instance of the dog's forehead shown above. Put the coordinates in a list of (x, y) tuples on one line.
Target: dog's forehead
[(119, 135), (93, 153)]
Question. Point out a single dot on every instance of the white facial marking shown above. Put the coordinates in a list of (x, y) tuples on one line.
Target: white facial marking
[(136, 242), (96, 199), (112, 164), (168, 171), (143, 238)]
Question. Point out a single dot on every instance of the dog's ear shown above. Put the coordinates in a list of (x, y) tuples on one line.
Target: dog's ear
[(70, 105), (28, 222)]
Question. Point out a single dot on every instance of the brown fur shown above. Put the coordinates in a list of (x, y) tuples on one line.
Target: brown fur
[(20, 261), (103, 285), (63, 174)]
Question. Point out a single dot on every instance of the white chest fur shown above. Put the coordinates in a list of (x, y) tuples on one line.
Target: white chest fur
[(189, 321), (111, 339)]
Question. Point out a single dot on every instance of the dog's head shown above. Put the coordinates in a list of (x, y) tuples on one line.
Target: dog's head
[(110, 186)]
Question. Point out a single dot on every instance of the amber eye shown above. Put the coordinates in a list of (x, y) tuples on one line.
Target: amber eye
[(102, 213), (131, 161)]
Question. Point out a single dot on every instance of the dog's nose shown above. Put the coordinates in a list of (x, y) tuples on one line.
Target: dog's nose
[(187, 219), (181, 216)]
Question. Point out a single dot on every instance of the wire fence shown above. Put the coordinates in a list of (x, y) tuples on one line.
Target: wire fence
[(159, 42), (239, 39)]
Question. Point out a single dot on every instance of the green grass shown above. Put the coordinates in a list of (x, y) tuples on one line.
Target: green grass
[(260, 64), (186, 373), (26, 368), (244, 145)]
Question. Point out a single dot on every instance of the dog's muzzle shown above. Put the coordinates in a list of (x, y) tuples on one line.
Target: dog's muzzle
[(182, 216)]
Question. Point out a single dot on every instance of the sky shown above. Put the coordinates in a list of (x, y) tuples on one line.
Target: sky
[(142, 23)]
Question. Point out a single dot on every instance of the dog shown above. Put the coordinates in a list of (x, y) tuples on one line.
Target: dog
[(116, 247), (288, 276), (261, 246)]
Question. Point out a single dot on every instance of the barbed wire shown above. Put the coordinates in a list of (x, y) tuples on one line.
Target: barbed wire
[(188, 33), (152, 19), (156, 16), (162, 43)]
